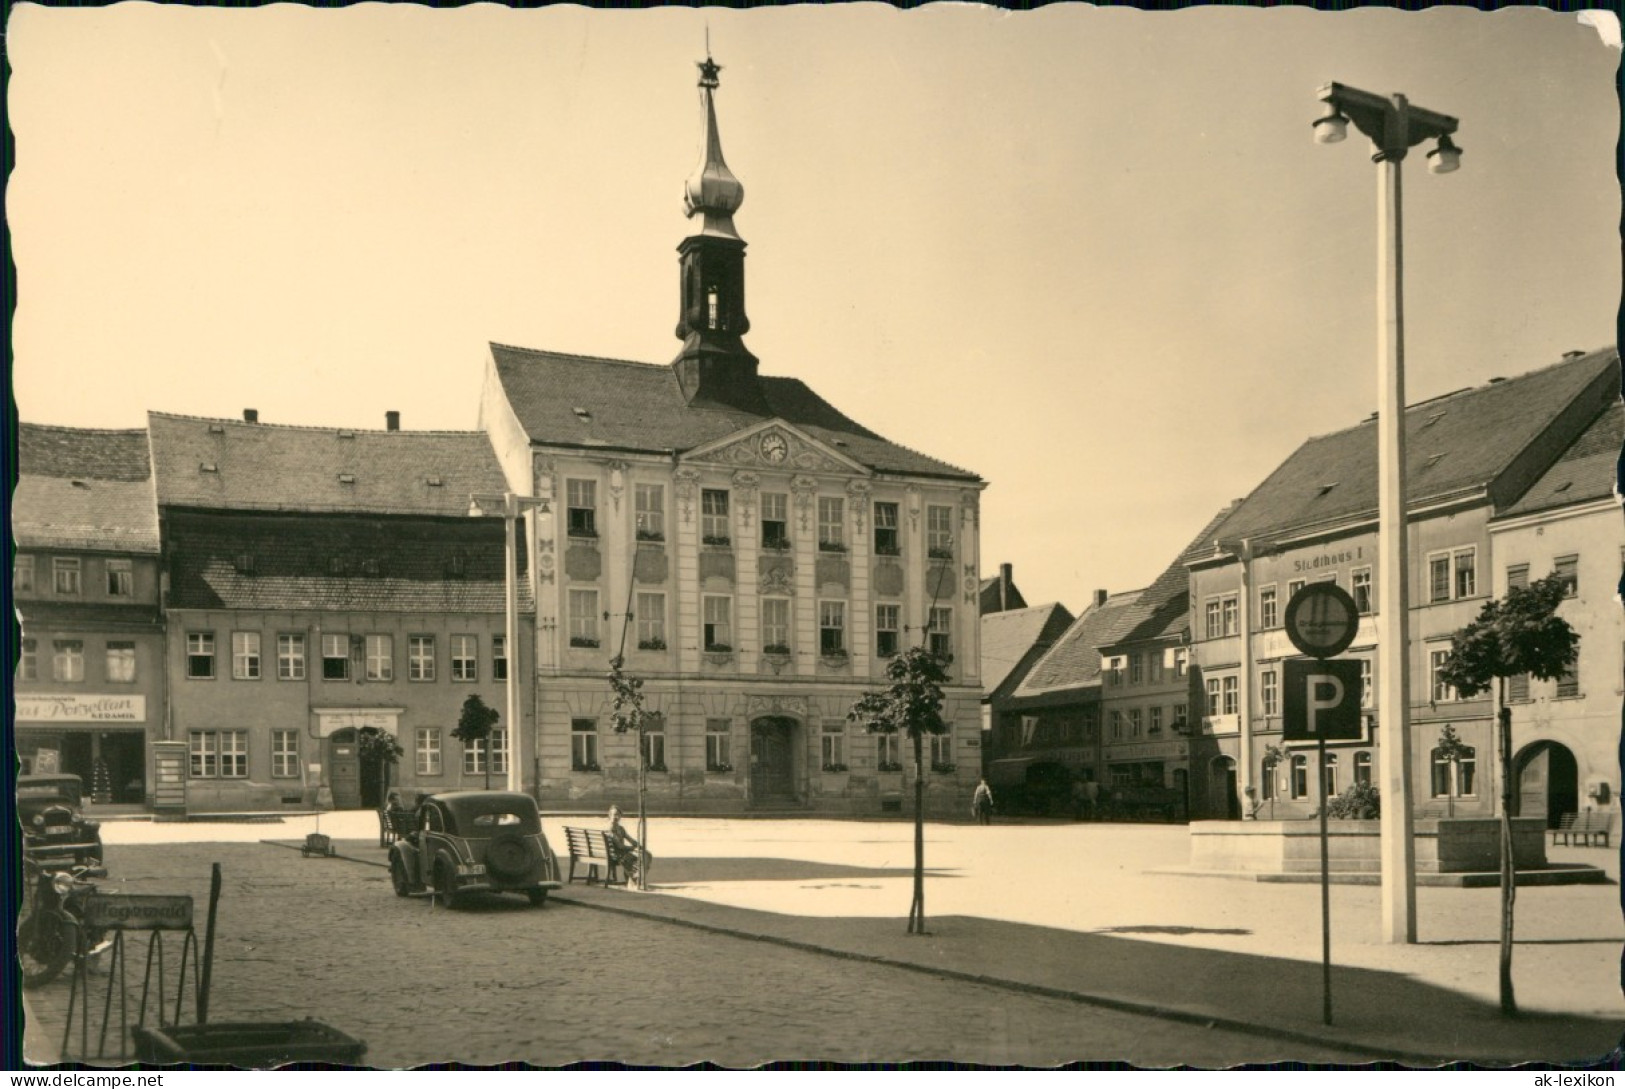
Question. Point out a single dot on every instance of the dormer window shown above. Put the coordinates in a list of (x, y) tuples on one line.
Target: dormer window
[(369, 566), (1325, 489), (346, 434), (243, 564), (208, 467), (346, 478), (337, 566), (435, 482), (457, 565)]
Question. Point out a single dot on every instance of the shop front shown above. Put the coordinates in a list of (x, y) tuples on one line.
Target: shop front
[(100, 738)]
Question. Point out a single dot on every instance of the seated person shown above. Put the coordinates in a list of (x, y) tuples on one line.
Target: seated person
[(625, 851)]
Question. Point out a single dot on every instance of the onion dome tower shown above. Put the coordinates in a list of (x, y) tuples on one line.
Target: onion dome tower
[(714, 364)]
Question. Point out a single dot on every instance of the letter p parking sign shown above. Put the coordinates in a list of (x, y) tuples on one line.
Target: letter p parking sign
[(1321, 701)]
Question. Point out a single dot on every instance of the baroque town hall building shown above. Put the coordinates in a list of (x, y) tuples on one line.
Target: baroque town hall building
[(756, 555)]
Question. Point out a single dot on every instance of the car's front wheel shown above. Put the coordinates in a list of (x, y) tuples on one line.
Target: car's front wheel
[(397, 877)]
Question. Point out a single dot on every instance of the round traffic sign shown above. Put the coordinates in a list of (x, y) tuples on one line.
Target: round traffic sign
[(1321, 619)]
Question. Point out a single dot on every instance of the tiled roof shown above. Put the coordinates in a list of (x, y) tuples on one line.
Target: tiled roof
[(231, 465), (292, 561), (92, 453), (1161, 609), (83, 489), (1074, 661), (1454, 444), (1009, 636), (639, 406), (1585, 471)]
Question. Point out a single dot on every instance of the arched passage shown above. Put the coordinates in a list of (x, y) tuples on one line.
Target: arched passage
[(1548, 781)]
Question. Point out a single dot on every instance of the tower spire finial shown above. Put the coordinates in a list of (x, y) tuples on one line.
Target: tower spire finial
[(712, 190)]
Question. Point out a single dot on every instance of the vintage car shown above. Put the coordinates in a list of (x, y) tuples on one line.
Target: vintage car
[(474, 841), (56, 835)]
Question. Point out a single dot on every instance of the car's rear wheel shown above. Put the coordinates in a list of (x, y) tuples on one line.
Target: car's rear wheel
[(537, 897), (397, 877), (445, 885)]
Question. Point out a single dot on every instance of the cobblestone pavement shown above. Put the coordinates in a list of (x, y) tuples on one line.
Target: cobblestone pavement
[(502, 981)]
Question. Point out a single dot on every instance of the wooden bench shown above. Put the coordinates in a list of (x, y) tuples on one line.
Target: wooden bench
[(1592, 828), (394, 824), (1564, 829), (591, 848)]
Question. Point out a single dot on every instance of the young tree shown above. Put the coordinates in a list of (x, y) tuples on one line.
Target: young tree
[(1452, 748), (911, 704), (1521, 633), (1274, 756), (627, 715), (379, 745), (474, 727)]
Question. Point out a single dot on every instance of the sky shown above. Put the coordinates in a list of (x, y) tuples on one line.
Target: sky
[(1092, 255)]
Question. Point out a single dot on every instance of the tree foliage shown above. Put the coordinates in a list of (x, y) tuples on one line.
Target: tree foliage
[(379, 745), (626, 707), (912, 703), (1360, 802), (1519, 633), (476, 722)]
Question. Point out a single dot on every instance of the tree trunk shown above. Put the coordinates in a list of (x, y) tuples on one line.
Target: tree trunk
[(916, 910), (643, 815), (1509, 881)]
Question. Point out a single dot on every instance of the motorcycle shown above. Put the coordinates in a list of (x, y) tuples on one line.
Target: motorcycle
[(52, 932)]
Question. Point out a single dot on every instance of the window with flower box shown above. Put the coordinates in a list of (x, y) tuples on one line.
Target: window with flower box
[(939, 532), (887, 625), (651, 614), (583, 605), (886, 540), (719, 744), (714, 526), (940, 632), (831, 524), (649, 505), (717, 624), (832, 629), (581, 508), (775, 625), (775, 521), (886, 748), (832, 744)]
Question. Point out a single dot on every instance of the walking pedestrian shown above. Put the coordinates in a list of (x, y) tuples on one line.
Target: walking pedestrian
[(981, 803)]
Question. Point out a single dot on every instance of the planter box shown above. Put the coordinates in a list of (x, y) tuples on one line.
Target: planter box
[(1461, 845), (254, 1045)]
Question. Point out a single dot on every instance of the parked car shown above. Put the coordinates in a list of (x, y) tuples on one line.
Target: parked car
[(56, 834), (474, 841)]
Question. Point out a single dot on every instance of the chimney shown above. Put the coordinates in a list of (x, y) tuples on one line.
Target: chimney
[(392, 420), (1100, 598), (1005, 570), (251, 415)]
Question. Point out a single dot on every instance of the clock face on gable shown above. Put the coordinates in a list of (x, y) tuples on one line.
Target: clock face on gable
[(774, 448)]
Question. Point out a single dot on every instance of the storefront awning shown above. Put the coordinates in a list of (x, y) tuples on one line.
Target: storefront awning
[(1011, 771)]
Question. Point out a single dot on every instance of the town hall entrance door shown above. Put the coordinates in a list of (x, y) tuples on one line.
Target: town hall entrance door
[(772, 777), (344, 768)]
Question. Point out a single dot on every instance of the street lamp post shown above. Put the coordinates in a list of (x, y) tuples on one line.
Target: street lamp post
[(1394, 127), (510, 505)]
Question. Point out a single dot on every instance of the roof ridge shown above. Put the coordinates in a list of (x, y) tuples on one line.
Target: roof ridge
[(1495, 383), (579, 356), (318, 428), (132, 431)]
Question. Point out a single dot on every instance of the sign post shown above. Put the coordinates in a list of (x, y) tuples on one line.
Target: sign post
[(1321, 701)]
